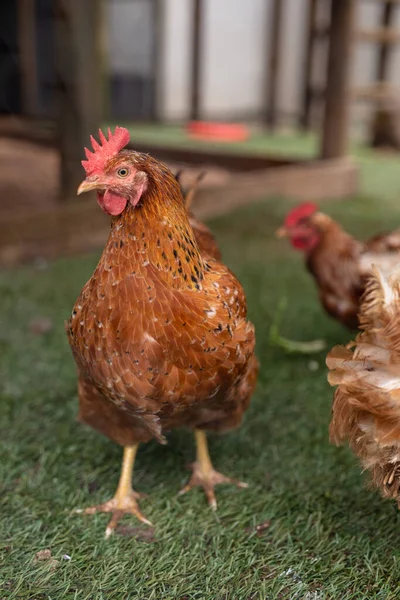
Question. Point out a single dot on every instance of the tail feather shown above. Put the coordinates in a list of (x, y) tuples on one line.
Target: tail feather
[(190, 193), (366, 406)]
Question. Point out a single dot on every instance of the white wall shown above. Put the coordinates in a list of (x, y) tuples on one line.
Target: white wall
[(174, 96), (235, 54), (235, 57)]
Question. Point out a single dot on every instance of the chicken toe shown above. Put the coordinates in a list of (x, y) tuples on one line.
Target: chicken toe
[(208, 480), (118, 507), (125, 500), (204, 474)]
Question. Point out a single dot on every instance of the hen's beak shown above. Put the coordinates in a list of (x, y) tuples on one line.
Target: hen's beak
[(281, 232), (88, 185)]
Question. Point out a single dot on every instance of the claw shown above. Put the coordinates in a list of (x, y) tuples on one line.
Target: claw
[(118, 507), (208, 480)]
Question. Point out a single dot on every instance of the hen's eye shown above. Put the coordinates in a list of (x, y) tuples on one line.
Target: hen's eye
[(123, 172)]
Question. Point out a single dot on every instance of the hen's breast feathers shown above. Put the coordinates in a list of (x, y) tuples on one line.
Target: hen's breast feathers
[(183, 354), (366, 408)]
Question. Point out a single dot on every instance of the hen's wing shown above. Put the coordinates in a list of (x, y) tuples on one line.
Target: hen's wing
[(366, 407), (386, 262), (335, 268), (384, 242)]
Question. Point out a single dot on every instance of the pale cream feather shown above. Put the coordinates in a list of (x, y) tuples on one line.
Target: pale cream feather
[(366, 407)]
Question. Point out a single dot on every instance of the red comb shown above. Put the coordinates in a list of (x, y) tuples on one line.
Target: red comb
[(304, 210), (108, 148)]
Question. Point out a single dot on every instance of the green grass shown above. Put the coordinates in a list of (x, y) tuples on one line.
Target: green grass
[(329, 537)]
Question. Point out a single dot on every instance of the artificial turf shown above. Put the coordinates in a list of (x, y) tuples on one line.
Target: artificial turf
[(306, 528)]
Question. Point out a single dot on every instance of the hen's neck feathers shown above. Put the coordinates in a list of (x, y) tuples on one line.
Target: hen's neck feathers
[(156, 233), (332, 234)]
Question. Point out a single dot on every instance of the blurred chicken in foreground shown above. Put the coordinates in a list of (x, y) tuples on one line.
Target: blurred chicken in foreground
[(159, 333), (366, 407), (339, 263)]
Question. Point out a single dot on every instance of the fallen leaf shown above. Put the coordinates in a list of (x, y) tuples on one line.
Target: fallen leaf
[(45, 556), (42, 555)]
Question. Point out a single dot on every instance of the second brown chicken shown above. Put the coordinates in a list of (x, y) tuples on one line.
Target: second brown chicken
[(339, 263)]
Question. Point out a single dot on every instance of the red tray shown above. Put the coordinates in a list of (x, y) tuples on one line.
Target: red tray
[(230, 132)]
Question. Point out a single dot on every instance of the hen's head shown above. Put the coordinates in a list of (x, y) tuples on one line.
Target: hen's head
[(120, 177), (301, 227)]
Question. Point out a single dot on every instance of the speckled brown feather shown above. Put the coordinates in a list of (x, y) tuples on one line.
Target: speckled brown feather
[(366, 407), (159, 332)]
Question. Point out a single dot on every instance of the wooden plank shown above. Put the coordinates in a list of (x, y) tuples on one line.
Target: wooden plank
[(375, 92), (80, 226), (197, 55), (380, 34), (232, 161), (28, 57), (340, 176), (337, 102), (274, 63), (79, 83)]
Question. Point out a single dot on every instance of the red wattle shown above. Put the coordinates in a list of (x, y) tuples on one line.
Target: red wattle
[(111, 203), (305, 243)]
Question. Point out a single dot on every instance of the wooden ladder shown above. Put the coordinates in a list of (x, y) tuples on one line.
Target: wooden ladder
[(385, 36)]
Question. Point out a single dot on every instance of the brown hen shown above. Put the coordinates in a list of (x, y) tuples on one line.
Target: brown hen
[(159, 333), (339, 263), (366, 407)]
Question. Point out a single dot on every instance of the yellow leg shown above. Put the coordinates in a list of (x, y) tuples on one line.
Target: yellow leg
[(125, 498), (202, 454), (124, 488), (204, 474)]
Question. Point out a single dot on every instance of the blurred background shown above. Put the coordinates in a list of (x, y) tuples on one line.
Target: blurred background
[(314, 72), (276, 101)]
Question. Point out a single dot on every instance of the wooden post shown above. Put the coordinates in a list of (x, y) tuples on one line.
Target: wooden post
[(305, 115), (384, 49), (28, 57), (195, 74), (337, 100), (78, 84), (158, 20), (272, 75)]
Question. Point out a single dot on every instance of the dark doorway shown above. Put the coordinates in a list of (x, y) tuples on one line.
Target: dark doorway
[(10, 95), (44, 26)]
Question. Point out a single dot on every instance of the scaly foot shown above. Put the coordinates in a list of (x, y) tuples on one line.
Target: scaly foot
[(208, 479), (118, 506)]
